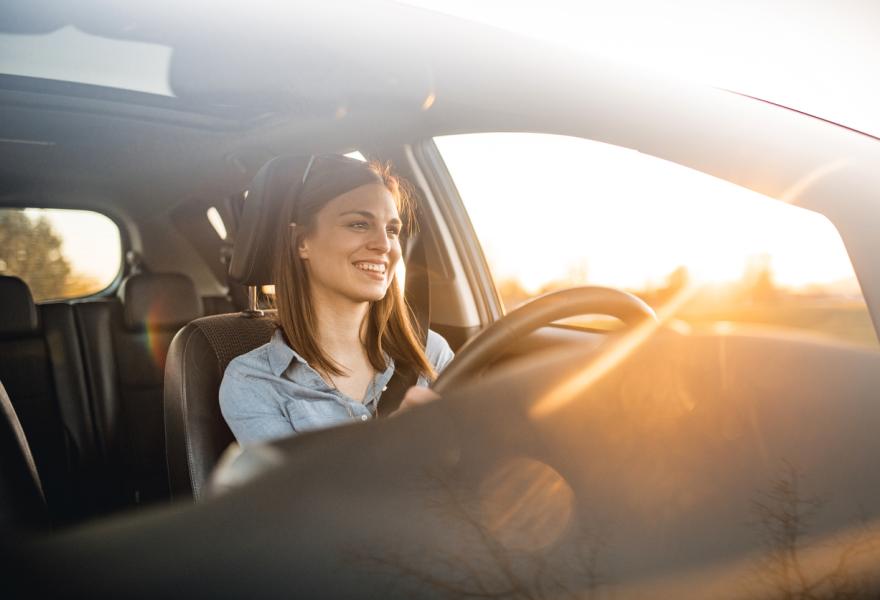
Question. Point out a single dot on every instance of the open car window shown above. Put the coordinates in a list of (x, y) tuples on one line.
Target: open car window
[(553, 212)]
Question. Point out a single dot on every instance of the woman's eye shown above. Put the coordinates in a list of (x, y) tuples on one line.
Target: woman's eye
[(394, 231), (359, 225)]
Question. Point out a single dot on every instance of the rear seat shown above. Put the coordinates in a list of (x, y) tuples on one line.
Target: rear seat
[(125, 343), (86, 379), (41, 368)]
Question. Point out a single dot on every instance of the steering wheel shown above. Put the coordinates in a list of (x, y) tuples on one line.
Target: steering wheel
[(492, 341)]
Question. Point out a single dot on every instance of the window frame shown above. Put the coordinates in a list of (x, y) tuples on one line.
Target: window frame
[(453, 213)]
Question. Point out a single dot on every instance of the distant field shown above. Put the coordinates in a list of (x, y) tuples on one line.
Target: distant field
[(842, 320)]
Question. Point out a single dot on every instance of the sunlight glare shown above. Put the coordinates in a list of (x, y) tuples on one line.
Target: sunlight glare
[(618, 350)]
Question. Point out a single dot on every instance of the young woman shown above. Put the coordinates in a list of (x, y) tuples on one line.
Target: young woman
[(343, 325)]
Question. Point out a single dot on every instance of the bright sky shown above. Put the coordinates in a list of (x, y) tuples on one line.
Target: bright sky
[(90, 241), (546, 207)]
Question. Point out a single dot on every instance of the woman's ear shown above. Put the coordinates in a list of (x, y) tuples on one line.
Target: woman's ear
[(301, 246)]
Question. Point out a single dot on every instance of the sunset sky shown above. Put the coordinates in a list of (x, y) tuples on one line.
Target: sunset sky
[(546, 207)]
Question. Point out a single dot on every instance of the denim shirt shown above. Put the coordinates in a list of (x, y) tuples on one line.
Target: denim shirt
[(271, 392)]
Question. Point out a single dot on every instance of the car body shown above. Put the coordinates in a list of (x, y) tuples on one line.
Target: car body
[(653, 462)]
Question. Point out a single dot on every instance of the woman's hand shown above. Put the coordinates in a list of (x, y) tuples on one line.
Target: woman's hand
[(415, 396)]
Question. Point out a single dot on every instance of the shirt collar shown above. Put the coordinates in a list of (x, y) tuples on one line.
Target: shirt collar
[(280, 354)]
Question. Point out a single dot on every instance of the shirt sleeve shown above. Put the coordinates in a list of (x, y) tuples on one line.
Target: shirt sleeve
[(250, 409), (439, 354)]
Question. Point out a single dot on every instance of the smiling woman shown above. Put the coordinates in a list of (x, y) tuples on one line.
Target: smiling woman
[(343, 326)]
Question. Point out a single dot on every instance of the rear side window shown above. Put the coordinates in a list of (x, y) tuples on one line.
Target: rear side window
[(59, 253)]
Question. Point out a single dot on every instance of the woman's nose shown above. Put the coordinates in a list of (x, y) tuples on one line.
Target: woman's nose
[(381, 241)]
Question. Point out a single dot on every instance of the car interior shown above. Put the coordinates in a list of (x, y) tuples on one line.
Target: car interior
[(112, 430)]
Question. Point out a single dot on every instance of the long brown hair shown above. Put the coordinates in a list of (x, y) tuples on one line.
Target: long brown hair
[(390, 326)]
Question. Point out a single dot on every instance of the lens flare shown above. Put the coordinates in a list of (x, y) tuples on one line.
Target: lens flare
[(526, 504)]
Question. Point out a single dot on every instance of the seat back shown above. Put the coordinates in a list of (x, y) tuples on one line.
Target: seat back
[(41, 370), (196, 433), (126, 342)]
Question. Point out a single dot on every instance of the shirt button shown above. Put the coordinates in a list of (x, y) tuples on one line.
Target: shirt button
[(364, 417), (384, 388)]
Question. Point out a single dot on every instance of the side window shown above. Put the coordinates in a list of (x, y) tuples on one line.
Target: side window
[(553, 212), (59, 253)]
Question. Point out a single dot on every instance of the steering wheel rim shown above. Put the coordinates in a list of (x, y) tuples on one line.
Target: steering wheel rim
[(541, 311)]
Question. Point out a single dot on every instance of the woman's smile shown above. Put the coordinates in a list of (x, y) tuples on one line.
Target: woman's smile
[(373, 270)]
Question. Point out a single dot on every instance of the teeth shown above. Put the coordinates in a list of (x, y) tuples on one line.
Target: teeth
[(370, 267)]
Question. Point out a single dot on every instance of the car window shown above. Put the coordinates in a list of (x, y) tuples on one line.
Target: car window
[(553, 212), (59, 253)]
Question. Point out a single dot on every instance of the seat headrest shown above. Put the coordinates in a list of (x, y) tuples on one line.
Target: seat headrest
[(271, 200), (18, 314), (159, 301)]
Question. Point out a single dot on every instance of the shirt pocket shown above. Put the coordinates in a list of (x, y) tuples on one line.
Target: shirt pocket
[(310, 415)]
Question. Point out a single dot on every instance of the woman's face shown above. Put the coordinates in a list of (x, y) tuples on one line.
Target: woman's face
[(354, 246)]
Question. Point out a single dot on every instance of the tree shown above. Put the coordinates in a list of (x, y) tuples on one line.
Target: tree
[(31, 249), (784, 516), (758, 284)]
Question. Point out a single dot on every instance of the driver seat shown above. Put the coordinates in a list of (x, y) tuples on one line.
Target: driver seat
[(195, 432)]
